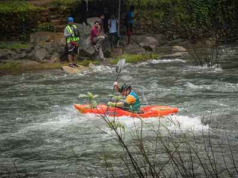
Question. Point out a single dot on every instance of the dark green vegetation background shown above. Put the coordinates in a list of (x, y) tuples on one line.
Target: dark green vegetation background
[(187, 18), (191, 18), (17, 19)]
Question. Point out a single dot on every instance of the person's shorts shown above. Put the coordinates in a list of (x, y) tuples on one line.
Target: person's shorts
[(71, 49), (129, 29)]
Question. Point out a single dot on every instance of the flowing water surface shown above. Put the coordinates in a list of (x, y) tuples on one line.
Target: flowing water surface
[(41, 133)]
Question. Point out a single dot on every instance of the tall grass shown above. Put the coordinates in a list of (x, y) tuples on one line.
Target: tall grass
[(209, 56), (162, 152)]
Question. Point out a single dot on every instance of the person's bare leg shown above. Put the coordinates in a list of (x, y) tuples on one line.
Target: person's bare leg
[(75, 60), (70, 58), (100, 40), (101, 55)]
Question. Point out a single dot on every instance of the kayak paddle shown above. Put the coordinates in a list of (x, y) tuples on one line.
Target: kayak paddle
[(119, 68)]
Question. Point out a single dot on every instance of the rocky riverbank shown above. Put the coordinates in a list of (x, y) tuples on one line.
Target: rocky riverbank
[(46, 50)]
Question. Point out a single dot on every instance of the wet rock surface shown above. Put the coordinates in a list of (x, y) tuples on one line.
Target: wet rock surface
[(75, 70), (49, 47), (147, 42)]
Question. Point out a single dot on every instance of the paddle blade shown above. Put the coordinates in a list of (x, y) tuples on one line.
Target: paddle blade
[(120, 65)]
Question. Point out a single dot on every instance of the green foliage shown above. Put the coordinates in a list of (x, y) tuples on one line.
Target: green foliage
[(192, 18), (15, 6), (65, 3), (116, 98), (86, 62), (46, 26), (205, 56), (18, 18), (91, 99), (21, 66), (9, 66), (116, 125), (135, 58), (15, 45)]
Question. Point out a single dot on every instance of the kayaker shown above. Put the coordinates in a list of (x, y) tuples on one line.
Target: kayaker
[(131, 103), (71, 35)]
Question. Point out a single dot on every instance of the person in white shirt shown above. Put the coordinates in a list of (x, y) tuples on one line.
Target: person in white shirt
[(113, 30)]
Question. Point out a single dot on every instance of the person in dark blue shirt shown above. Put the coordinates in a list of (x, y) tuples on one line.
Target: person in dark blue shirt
[(129, 23)]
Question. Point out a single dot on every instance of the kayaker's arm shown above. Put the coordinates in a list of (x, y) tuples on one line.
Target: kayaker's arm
[(116, 86), (118, 104)]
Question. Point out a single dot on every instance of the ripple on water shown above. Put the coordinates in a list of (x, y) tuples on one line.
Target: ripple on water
[(40, 127), (214, 86)]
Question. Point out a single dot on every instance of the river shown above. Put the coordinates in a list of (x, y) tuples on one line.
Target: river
[(42, 135)]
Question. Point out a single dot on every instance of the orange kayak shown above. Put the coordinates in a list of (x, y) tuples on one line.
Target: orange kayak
[(146, 111)]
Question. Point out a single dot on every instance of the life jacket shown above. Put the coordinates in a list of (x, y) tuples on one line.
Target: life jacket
[(75, 35), (135, 107)]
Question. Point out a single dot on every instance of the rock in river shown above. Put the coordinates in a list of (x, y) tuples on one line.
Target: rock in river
[(76, 70)]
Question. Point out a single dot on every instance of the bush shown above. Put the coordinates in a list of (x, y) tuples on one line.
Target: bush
[(206, 56), (16, 19), (191, 18), (157, 151), (46, 26), (14, 45), (135, 58), (64, 3)]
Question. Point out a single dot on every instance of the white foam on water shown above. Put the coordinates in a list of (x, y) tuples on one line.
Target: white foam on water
[(61, 117), (186, 123), (102, 68), (196, 87), (176, 123), (127, 78), (166, 61), (205, 68), (159, 61), (215, 86)]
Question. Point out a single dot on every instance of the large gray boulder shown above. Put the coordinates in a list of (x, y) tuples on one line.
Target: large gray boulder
[(162, 39), (91, 20), (16, 53), (134, 49), (4, 54), (178, 49), (41, 54), (147, 42), (47, 37), (175, 55), (46, 44), (86, 48), (70, 70), (84, 30)]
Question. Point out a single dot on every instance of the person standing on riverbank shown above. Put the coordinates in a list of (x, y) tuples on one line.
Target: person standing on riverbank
[(71, 35), (101, 24), (113, 30), (129, 23), (97, 39)]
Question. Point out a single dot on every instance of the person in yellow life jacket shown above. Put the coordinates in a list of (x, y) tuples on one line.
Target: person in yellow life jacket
[(71, 35), (131, 103)]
